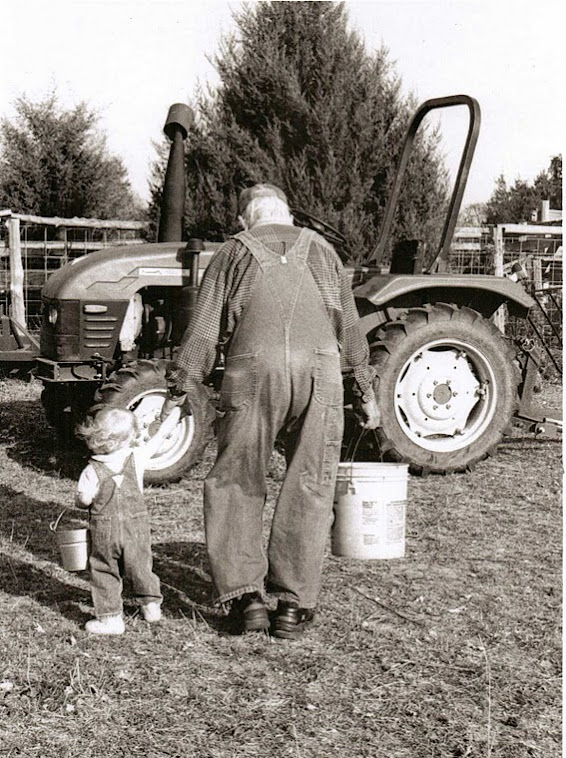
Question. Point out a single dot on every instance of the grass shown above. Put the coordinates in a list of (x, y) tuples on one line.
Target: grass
[(452, 652)]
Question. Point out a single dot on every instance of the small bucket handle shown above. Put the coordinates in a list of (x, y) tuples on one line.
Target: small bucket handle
[(54, 524)]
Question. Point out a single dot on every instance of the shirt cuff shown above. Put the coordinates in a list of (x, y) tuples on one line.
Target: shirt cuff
[(175, 378), (363, 383)]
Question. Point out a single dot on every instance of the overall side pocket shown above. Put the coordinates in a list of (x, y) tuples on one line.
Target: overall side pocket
[(239, 383), (328, 388)]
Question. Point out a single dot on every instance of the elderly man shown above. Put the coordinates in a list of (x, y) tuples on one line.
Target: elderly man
[(275, 302)]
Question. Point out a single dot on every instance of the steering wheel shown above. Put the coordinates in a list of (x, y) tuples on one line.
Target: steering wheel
[(330, 233)]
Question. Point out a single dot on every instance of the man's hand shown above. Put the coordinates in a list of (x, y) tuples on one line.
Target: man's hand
[(370, 415), (170, 403)]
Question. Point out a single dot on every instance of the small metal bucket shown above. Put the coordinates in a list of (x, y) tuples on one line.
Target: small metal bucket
[(74, 545)]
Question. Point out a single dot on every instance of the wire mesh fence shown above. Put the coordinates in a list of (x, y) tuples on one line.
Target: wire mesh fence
[(46, 245), (532, 254)]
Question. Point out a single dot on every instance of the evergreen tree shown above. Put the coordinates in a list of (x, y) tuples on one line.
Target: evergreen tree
[(548, 184), (519, 203), (54, 162), (473, 214), (303, 105)]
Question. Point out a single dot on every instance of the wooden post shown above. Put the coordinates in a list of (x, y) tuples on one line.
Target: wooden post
[(17, 307), (500, 315), (537, 273)]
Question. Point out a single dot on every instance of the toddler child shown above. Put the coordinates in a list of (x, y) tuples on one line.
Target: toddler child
[(111, 487)]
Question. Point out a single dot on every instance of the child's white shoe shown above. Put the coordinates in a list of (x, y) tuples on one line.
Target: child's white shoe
[(107, 625), (151, 612)]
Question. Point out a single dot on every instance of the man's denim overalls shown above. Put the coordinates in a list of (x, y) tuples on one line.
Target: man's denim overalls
[(282, 371), (120, 541)]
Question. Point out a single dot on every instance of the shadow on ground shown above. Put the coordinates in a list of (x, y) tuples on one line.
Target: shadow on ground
[(25, 521), (186, 583), (24, 526), (31, 443), (22, 579)]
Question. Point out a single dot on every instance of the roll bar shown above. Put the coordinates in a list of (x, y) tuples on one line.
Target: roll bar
[(376, 254)]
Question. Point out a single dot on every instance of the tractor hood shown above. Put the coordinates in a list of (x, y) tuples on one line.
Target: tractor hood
[(117, 273)]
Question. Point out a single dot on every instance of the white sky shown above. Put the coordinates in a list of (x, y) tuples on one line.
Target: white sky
[(130, 59)]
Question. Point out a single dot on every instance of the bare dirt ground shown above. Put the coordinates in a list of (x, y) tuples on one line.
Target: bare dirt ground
[(451, 652)]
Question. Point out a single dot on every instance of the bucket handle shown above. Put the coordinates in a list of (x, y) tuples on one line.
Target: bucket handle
[(351, 459), (361, 434), (54, 524)]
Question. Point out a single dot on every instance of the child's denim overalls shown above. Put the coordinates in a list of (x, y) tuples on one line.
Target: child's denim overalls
[(120, 541)]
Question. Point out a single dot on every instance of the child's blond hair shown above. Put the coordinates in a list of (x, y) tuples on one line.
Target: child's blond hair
[(109, 430)]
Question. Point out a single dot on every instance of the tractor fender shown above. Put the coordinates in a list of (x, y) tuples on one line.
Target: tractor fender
[(482, 292)]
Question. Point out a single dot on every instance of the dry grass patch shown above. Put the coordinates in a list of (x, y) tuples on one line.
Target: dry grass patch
[(452, 652)]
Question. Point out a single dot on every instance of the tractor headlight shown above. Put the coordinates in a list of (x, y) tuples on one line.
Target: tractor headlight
[(52, 315)]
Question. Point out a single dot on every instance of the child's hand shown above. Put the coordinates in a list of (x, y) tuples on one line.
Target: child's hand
[(174, 415), (171, 402), (172, 419)]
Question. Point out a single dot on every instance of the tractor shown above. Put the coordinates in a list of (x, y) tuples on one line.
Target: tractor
[(448, 381)]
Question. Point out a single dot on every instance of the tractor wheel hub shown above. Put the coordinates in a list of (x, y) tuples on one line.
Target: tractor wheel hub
[(437, 392), (442, 394)]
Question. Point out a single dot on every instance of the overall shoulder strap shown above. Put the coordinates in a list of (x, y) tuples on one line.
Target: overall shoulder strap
[(259, 251), (302, 244), (101, 470), (105, 472)]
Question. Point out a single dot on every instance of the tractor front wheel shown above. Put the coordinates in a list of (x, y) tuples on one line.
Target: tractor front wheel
[(141, 387), (446, 385)]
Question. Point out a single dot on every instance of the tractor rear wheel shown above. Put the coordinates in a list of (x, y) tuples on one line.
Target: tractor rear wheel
[(447, 388), (141, 387)]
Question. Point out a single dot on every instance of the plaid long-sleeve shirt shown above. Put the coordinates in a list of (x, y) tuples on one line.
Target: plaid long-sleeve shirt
[(226, 289)]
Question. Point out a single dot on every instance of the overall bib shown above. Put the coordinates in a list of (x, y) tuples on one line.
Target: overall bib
[(282, 372), (120, 541)]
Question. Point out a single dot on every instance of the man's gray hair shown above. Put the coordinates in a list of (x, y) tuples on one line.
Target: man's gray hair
[(266, 210)]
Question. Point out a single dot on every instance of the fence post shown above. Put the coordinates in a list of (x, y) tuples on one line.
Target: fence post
[(537, 273), (500, 315), (17, 307)]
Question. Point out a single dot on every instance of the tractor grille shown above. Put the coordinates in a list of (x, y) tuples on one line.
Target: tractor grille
[(99, 332)]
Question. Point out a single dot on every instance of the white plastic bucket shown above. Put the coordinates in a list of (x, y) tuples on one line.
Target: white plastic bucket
[(369, 510)]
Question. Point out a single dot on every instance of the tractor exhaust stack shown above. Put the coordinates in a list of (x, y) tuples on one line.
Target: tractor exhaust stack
[(179, 120)]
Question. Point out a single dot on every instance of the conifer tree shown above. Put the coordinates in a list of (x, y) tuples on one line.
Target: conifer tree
[(302, 104), (54, 162), (519, 202)]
